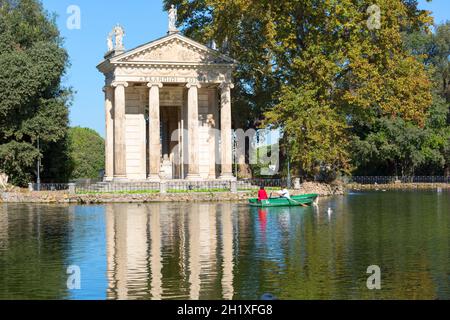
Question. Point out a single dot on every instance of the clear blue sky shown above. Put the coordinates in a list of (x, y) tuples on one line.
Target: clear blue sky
[(143, 20)]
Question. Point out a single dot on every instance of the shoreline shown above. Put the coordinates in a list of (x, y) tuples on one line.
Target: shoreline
[(324, 190), (398, 186), (64, 197)]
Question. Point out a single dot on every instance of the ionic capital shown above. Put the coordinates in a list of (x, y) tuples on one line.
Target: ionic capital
[(116, 84), (226, 85), (155, 84), (190, 85)]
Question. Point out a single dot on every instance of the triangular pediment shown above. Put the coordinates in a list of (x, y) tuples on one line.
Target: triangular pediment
[(173, 49)]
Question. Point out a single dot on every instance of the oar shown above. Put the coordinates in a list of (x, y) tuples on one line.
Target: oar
[(299, 203)]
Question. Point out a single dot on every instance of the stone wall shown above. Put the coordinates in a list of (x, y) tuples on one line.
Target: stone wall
[(61, 197), (25, 196), (321, 189)]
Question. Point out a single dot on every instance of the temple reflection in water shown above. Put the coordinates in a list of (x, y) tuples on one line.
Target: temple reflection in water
[(152, 248)]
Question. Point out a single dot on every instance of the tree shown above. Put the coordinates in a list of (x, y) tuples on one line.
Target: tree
[(394, 146), (316, 135), (315, 68), (353, 75), (434, 50), (33, 104), (87, 152), (432, 149)]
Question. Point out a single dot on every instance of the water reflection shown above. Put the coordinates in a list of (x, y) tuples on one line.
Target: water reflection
[(34, 241), (163, 251), (3, 231), (229, 251)]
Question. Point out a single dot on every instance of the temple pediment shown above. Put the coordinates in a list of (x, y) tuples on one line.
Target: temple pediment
[(175, 49)]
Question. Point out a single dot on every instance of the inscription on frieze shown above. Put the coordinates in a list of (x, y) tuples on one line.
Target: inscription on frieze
[(169, 79)]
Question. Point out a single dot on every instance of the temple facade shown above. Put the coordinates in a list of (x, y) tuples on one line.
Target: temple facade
[(168, 110)]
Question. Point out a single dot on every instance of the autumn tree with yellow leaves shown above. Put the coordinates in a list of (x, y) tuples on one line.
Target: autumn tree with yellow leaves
[(322, 71)]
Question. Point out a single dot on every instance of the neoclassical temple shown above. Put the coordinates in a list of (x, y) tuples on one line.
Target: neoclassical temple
[(168, 109)]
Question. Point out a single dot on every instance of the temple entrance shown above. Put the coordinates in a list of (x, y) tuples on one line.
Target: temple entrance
[(171, 150)]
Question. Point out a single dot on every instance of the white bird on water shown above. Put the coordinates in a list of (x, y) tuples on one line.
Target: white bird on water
[(330, 211), (316, 202)]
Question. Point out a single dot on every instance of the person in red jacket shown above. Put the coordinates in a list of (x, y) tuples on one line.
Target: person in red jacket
[(262, 194)]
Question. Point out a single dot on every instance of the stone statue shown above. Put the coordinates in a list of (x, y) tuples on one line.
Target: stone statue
[(210, 121), (173, 17), (110, 42), (119, 33)]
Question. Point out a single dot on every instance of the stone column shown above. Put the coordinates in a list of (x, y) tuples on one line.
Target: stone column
[(226, 132), (227, 252), (213, 136), (120, 171), (154, 132), (109, 136), (121, 251), (110, 228), (156, 259), (193, 132), (194, 252)]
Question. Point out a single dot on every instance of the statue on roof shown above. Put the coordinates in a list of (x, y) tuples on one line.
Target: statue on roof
[(119, 34), (173, 17), (110, 42)]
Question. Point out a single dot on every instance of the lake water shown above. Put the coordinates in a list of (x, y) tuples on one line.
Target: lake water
[(228, 250)]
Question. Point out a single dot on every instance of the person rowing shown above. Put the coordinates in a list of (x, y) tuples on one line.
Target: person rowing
[(262, 194), (284, 193)]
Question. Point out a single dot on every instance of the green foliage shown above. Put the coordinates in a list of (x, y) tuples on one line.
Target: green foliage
[(398, 147), (434, 50), (316, 134), (345, 75), (425, 150), (316, 71), (87, 152), (18, 158), (57, 161), (32, 102), (344, 95), (392, 142)]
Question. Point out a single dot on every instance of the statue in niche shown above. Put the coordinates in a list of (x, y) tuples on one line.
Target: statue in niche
[(210, 121)]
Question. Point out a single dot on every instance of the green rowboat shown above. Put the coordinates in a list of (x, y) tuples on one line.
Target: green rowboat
[(295, 201)]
